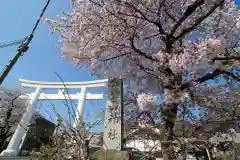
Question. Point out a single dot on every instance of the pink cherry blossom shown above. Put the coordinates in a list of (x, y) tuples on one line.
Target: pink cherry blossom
[(145, 101), (157, 52)]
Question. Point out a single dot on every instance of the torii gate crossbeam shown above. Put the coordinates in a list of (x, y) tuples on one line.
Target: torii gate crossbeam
[(14, 145)]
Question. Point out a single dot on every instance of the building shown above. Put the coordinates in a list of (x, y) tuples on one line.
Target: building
[(147, 139), (142, 135), (39, 132)]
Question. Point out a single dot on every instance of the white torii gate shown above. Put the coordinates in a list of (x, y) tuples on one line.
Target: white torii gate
[(14, 145)]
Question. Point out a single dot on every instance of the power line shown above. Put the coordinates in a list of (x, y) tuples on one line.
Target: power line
[(12, 43), (23, 47), (43, 11)]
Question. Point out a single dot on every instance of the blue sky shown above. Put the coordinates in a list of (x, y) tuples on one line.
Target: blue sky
[(43, 58)]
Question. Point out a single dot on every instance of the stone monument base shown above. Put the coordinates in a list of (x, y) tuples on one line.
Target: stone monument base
[(9, 153), (110, 155)]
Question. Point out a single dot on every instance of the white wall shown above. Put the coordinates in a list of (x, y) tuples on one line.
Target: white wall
[(144, 145)]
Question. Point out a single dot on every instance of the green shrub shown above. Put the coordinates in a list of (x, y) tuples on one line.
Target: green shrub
[(224, 157)]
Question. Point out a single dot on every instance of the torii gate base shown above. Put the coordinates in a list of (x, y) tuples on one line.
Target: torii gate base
[(113, 131)]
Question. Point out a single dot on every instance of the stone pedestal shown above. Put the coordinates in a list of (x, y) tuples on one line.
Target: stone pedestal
[(111, 155)]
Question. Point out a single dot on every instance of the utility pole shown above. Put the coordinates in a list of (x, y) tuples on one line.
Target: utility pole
[(21, 49)]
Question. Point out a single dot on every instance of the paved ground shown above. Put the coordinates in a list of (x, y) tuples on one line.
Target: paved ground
[(14, 158)]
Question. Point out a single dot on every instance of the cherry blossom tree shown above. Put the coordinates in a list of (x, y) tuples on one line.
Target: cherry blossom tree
[(182, 51), (12, 106)]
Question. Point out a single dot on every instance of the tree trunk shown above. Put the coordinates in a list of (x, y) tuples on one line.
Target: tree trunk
[(3, 141), (4, 132), (170, 115)]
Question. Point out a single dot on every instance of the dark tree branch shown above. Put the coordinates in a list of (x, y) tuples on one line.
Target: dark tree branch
[(148, 114), (213, 75), (231, 75), (158, 24), (139, 51), (198, 21), (190, 10), (226, 58), (118, 56), (124, 20), (166, 71), (169, 15), (147, 70), (166, 11), (210, 76), (161, 3)]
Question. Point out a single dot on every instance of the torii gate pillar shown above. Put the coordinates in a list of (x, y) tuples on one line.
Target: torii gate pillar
[(14, 146)]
